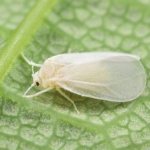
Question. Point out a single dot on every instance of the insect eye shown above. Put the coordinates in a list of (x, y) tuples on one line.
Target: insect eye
[(37, 83)]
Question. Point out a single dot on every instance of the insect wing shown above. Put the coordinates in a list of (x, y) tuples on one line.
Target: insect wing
[(117, 78), (78, 58)]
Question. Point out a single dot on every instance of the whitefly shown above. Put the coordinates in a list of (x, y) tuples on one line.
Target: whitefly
[(117, 77)]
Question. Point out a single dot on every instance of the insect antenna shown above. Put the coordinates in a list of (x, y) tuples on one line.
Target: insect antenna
[(31, 63), (38, 93), (25, 93)]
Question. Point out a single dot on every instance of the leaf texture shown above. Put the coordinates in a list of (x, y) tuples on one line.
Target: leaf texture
[(49, 121)]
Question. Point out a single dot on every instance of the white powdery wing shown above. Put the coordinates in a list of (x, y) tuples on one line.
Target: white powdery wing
[(115, 78), (75, 58)]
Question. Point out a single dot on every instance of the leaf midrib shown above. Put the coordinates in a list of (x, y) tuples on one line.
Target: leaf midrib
[(23, 35)]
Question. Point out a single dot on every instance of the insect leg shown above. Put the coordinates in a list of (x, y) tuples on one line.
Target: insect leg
[(68, 98), (37, 94), (33, 72), (31, 63)]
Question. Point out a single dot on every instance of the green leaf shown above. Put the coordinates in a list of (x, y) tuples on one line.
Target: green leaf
[(49, 121), (23, 35)]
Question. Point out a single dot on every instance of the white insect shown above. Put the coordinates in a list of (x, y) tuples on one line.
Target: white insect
[(116, 77)]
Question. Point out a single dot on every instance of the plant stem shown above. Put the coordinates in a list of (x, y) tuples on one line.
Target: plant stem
[(23, 35)]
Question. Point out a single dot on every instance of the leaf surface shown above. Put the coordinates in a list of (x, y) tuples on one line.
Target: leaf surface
[(49, 121)]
